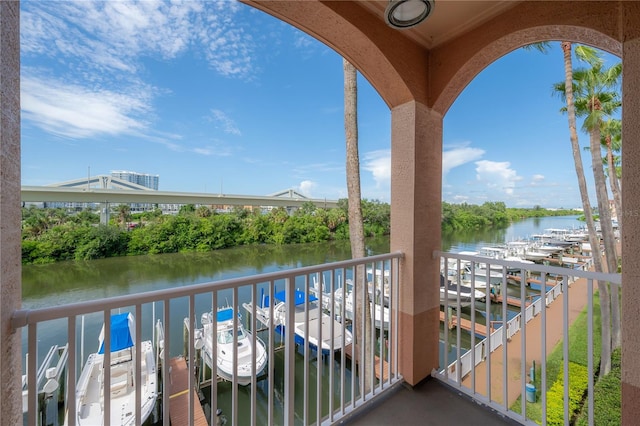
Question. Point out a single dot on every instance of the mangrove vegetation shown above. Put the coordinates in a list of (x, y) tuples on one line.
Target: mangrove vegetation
[(50, 235)]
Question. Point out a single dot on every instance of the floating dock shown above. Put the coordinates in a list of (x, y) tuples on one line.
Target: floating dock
[(179, 396), (549, 284), (385, 365), (465, 324), (512, 301)]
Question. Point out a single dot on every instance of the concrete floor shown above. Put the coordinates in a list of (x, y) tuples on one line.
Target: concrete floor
[(429, 403)]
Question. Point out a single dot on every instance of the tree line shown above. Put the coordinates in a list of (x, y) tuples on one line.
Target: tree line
[(51, 235)]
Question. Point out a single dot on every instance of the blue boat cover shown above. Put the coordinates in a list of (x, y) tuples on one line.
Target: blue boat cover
[(225, 314), (121, 333), (298, 297)]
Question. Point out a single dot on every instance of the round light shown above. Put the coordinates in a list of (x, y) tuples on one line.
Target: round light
[(407, 13)]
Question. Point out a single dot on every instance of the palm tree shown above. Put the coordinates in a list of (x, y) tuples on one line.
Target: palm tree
[(362, 328), (124, 212), (611, 139), (565, 90), (597, 99)]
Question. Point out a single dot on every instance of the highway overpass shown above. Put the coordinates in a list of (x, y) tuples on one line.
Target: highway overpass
[(124, 196)]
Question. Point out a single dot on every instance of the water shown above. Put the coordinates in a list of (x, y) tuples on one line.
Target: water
[(65, 282), (474, 240)]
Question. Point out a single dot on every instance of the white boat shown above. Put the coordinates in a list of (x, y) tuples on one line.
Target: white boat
[(550, 249), (449, 293), (318, 321), (224, 335), (122, 387), (380, 312), (533, 254), (480, 275)]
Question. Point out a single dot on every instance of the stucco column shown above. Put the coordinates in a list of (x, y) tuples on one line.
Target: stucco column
[(10, 254), (416, 192), (630, 217)]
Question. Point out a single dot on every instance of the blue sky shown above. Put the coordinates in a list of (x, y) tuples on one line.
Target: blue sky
[(219, 97)]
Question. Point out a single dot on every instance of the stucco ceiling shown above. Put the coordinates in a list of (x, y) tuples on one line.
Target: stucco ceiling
[(449, 18)]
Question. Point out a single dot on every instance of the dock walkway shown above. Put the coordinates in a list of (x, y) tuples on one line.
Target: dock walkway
[(577, 302), (179, 396)]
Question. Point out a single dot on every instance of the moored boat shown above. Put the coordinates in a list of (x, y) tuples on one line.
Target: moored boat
[(122, 384), (451, 293), (226, 334), (379, 309), (320, 324)]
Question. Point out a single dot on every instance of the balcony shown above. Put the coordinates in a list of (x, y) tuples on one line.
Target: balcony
[(320, 380)]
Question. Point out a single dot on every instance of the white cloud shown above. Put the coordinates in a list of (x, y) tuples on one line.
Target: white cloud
[(228, 125), (458, 156), (460, 199), (100, 47), (536, 179), (78, 112), (497, 175), (117, 34), (378, 163), (306, 187)]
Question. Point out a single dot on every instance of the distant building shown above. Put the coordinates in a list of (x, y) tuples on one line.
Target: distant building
[(144, 179), (129, 181)]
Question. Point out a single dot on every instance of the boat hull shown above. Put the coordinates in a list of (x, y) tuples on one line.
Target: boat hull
[(123, 411)]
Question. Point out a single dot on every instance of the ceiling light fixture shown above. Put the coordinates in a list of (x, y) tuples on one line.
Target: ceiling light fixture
[(404, 14)]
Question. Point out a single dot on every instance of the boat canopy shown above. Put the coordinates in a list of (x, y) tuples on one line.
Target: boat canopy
[(225, 314), (298, 297), (121, 333)]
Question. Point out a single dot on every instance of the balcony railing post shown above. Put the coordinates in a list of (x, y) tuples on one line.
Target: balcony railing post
[(565, 346), (290, 352)]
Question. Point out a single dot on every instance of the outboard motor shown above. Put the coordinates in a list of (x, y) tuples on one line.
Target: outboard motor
[(221, 419)]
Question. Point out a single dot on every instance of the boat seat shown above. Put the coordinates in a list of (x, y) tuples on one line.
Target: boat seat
[(119, 383)]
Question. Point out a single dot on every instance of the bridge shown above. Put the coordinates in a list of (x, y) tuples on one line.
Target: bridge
[(124, 196), (106, 190)]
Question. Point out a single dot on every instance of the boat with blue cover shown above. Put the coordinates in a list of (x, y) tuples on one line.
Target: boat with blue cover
[(122, 383), (323, 331)]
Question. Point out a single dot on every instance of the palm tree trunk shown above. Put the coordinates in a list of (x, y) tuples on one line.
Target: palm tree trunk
[(362, 326), (616, 321), (605, 315), (613, 180), (606, 228)]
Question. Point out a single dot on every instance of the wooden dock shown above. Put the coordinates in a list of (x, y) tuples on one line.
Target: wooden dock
[(465, 324), (179, 396), (385, 364), (549, 284), (512, 301)]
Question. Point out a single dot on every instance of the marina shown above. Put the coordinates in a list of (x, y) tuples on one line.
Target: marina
[(492, 311)]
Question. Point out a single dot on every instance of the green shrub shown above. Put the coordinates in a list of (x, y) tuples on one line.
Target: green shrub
[(607, 397), (578, 383)]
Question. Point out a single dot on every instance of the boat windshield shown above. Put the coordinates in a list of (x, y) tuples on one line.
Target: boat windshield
[(226, 336)]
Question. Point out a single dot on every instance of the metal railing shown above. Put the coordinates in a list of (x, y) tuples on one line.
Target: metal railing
[(517, 314), (317, 381)]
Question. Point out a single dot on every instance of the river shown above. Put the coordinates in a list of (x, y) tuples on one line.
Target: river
[(74, 281)]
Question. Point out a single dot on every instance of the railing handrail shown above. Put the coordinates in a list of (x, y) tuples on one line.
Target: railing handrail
[(24, 317), (613, 278)]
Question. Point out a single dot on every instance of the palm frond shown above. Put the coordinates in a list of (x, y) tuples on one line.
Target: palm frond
[(541, 46)]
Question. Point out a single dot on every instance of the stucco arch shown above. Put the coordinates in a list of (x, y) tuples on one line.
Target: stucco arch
[(393, 64), (478, 61)]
